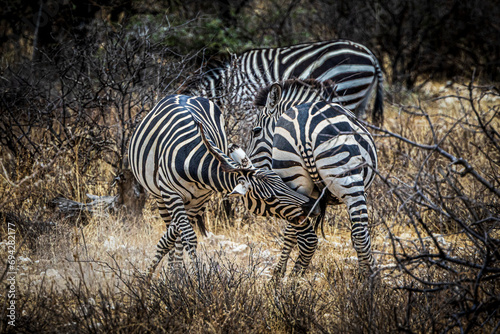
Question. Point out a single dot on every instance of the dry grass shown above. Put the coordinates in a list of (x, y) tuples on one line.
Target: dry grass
[(89, 279), (85, 275)]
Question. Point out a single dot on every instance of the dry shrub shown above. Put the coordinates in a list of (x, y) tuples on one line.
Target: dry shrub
[(434, 213), (439, 163), (434, 230)]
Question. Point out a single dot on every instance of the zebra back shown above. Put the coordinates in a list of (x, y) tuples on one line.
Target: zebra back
[(351, 68), (274, 100), (173, 123), (321, 136)]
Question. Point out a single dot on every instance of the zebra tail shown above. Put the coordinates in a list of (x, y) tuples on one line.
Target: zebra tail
[(201, 226), (378, 112), (319, 221)]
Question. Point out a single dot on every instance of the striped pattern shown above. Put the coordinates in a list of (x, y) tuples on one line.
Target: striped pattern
[(351, 68), (179, 153), (315, 145), (275, 100), (319, 144)]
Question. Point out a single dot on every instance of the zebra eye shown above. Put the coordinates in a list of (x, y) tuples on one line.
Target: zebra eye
[(257, 130), (271, 199)]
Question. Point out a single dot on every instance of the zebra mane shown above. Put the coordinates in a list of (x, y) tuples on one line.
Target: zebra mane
[(324, 88)]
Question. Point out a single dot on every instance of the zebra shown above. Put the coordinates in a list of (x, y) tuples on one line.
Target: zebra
[(179, 153), (315, 145), (351, 68)]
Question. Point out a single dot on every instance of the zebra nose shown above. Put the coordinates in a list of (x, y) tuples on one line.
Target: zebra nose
[(316, 211), (311, 209)]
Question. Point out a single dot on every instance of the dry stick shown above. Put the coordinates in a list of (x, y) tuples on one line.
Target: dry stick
[(479, 120), (32, 175), (454, 160), (411, 258), (442, 256)]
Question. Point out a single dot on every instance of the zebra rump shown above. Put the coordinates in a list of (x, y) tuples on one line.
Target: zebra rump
[(316, 146)]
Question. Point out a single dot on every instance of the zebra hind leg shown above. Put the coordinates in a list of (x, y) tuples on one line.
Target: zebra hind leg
[(180, 220), (178, 229), (308, 242), (188, 237), (360, 236), (175, 254), (165, 244), (350, 188), (168, 243)]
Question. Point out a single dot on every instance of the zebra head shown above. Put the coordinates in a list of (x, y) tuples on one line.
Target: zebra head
[(264, 192), (274, 101), (268, 195)]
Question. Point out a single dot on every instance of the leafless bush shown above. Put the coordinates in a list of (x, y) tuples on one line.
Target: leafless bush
[(450, 189), (297, 307), (78, 106), (71, 112)]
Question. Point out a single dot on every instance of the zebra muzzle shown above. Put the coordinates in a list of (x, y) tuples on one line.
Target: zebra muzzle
[(310, 209)]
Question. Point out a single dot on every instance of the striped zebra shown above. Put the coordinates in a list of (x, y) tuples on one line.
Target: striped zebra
[(179, 153), (313, 144), (351, 68)]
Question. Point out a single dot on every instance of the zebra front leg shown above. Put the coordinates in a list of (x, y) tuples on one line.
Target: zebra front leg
[(308, 242), (290, 240)]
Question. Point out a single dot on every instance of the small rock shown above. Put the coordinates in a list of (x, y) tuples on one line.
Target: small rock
[(23, 259), (52, 273), (241, 249)]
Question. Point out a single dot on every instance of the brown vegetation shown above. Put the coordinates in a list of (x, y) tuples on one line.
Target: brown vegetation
[(434, 225), (65, 122)]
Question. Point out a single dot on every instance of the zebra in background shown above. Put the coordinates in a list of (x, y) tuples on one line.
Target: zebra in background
[(313, 144), (351, 69), (179, 153)]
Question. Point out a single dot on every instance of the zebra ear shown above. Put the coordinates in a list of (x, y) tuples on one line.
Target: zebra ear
[(240, 190), (274, 96), (237, 154)]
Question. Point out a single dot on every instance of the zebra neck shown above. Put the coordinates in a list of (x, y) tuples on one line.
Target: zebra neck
[(229, 181)]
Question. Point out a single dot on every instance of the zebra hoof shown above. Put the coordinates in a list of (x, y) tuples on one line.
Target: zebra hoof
[(277, 275)]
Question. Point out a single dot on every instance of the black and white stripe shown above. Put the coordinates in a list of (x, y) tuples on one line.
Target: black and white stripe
[(351, 68), (313, 144), (179, 153)]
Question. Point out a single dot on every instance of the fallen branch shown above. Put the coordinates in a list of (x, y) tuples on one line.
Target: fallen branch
[(100, 205)]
